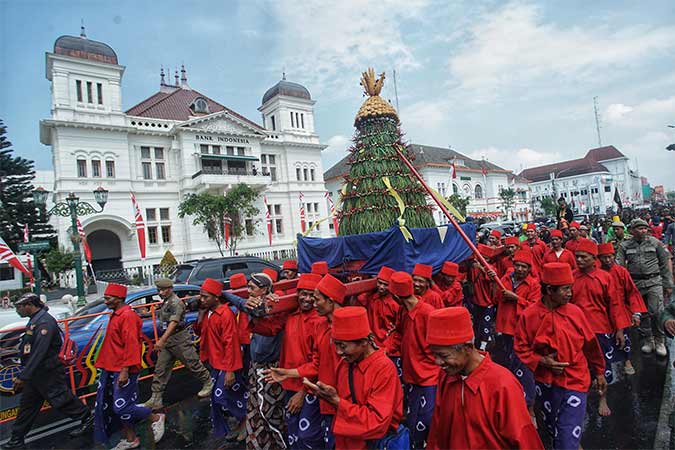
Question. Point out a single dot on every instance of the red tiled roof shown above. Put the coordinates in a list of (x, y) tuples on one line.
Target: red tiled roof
[(176, 106), (604, 153)]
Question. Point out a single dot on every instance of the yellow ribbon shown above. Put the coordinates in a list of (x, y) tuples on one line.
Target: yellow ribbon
[(448, 206), (401, 207), (315, 224)]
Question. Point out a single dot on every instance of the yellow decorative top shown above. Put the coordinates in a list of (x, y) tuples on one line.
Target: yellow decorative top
[(374, 106)]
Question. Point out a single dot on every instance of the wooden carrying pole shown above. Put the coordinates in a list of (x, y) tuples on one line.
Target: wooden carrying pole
[(449, 216)]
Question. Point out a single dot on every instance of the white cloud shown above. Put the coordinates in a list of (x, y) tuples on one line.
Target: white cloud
[(337, 149), (617, 111), (655, 162), (648, 114), (515, 48), (516, 159), (328, 44)]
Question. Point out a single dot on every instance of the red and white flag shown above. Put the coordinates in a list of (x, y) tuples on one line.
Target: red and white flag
[(226, 230), (331, 206), (268, 219), (303, 221), (7, 255), (25, 233), (453, 169), (83, 239), (140, 225)]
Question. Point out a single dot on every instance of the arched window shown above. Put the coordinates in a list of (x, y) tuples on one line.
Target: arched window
[(478, 192), (455, 189)]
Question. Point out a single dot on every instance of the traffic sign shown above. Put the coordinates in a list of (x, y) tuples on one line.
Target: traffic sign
[(32, 246)]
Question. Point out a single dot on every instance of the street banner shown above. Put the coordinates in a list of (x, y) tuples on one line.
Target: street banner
[(140, 225), (8, 256)]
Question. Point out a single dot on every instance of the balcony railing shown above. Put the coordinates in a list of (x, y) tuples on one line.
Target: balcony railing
[(229, 171)]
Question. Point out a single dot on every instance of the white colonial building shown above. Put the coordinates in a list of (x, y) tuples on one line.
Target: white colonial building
[(176, 142), (588, 184), (479, 181)]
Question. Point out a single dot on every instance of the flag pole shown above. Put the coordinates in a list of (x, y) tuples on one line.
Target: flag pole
[(449, 216)]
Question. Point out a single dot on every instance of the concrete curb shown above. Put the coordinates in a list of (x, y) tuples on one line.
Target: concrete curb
[(663, 439)]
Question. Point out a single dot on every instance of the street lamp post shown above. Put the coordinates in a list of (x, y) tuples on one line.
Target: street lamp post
[(73, 208)]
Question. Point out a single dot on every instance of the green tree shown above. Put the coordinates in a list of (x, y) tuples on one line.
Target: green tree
[(549, 206), (367, 205), (213, 210), (459, 202), (508, 198), (16, 197), (670, 195), (58, 261)]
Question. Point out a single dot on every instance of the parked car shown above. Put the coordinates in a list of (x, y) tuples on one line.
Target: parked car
[(88, 330), (196, 271)]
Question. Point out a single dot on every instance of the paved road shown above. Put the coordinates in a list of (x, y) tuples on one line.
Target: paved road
[(635, 402)]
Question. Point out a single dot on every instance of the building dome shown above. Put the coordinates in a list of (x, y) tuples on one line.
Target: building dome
[(81, 47), (288, 89)]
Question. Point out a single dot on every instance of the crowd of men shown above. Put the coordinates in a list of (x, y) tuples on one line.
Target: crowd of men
[(501, 350)]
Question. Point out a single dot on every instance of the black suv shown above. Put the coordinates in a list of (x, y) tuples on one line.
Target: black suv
[(198, 270)]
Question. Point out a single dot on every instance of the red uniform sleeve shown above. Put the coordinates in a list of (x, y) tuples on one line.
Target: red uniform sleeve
[(229, 340), (311, 369), (439, 430), (131, 338), (616, 306), (268, 326), (532, 297), (512, 420), (522, 343)]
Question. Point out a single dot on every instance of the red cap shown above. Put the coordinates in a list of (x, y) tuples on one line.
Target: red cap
[(385, 273), (401, 284), (237, 281), (557, 274), (486, 250), (523, 256), (449, 326), (212, 286), (450, 268), (605, 249), (556, 233), (308, 281), (532, 226), (512, 240), (273, 274), (587, 246), (496, 233), (290, 264), (116, 290), (332, 288), (423, 270), (350, 324), (320, 267), (574, 224)]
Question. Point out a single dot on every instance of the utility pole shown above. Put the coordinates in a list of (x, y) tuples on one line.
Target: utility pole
[(396, 93), (597, 120)]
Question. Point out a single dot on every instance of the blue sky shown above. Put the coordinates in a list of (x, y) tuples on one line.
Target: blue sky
[(511, 81)]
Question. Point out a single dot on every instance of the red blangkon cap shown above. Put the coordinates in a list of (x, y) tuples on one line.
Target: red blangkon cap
[(450, 269), (556, 233), (238, 281), (385, 273), (605, 249), (423, 270), (532, 226), (350, 324), (587, 246), (401, 284), (320, 267), (273, 274), (116, 290), (332, 288), (290, 264), (574, 224), (449, 326), (212, 286), (512, 240), (496, 233), (557, 274), (523, 256), (308, 281)]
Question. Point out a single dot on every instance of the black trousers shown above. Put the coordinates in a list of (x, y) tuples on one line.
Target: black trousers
[(50, 385)]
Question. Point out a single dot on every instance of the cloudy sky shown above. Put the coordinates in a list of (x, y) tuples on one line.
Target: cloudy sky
[(511, 81)]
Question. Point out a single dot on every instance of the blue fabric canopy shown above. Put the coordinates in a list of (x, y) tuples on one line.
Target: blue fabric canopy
[(432, 246)]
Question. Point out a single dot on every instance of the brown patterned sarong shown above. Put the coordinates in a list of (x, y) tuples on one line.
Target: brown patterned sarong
[(265, 414)]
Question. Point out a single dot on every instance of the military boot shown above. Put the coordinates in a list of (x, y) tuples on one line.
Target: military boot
[(155, 401), (648, 346), (660, 347), (207, 387), (14, 442)]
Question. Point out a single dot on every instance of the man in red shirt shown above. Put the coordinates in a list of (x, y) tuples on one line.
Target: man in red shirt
[(535, 245), (298, 338), (422, 279), (494, 239), (119, 359), (573, 240), (367, 397), (593, 291), (329, 296), (448, 284), (484, 291), (627, 293), (220, 351), (505, 262), (556, 342), (289, 269), (420, 374), (522, 290), (557, 253), (479, 404)]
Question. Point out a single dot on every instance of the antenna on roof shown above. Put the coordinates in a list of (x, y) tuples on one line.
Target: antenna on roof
[(396, 93), (161, 74), (283, 73), (597, 120), (82, 33)]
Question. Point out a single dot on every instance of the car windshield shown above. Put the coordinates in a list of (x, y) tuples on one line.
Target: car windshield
[(182, 273)]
